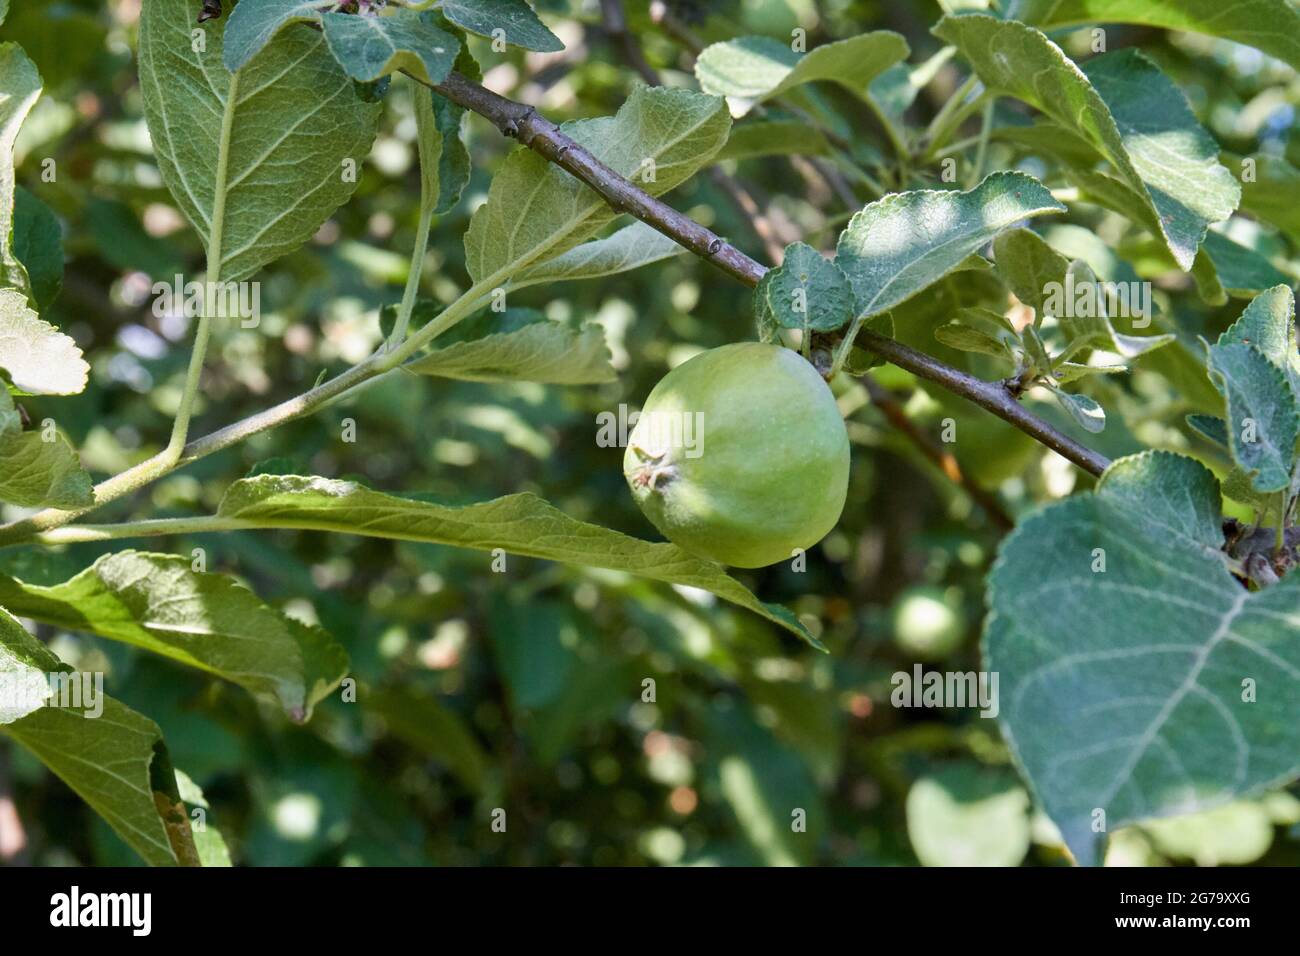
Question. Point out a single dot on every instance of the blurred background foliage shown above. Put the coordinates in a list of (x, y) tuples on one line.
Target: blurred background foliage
[(526, 690)]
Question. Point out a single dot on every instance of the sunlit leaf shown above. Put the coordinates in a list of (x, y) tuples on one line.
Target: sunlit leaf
[(899, 245)]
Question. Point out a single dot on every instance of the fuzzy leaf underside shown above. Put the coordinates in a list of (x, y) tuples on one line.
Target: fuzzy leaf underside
[(289, 120), (1121, 690)]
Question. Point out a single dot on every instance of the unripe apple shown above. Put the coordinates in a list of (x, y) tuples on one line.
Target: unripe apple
[(928, 622), (740, 455)]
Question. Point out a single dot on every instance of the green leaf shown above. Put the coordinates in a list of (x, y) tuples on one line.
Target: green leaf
[(896, 88), (514, 18), (545, 351), (116, 761), (1263, 422), (536, 210), (38, 244), (1066, 372), (1086, 332), (453, 161), (861, 359), (1028, 265), (1175, 159), (22, 86), (629, 248), (1126, 108), (806, 291), (1240, 271), (1269, 25), (204, 620), (966, 339), (1269, 192), (764, 782), (453, 157), (749, 70), (519, 524), (1268, 323), (1212, 428), (1036, 351), (965, 815), (773, 137), (980, 330), (899, 245), (36, 473), (1085, 411), (370, 47), (38, 358), (1122, 691), (254, 23), (429, 143), (434, 730), (208, 841), (256, 159)]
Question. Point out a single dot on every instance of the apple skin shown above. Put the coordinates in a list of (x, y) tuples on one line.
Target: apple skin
[(771, 473)]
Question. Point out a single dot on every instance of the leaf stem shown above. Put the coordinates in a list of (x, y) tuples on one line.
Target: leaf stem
[(982, 148), (216, 233), (950, 116), (425, 133), (153, 527)]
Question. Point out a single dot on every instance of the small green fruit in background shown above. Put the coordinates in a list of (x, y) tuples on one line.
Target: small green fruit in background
[(928, 622), (740, 455)]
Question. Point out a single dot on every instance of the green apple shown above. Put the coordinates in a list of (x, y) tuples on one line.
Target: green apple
[(928, 622), (740, 455)]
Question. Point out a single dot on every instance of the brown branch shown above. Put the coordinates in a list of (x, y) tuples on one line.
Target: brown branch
[(938, 456), (614, 24), (545, 138)]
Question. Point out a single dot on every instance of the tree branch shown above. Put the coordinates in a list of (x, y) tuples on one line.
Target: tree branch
[(545, 138)]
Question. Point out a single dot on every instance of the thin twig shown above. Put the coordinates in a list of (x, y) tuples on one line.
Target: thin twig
[(939, 457), (614, 22)]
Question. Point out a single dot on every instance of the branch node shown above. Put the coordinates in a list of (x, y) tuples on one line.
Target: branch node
[(514, 124)]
